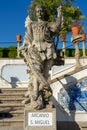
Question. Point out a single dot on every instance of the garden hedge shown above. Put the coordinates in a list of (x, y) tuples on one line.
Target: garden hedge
[(11, 52)]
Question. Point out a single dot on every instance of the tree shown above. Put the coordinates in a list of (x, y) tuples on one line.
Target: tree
[(69, 8), (70, 12), (50, 6)]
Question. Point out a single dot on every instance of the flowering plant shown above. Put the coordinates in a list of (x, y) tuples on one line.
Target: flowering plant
[(76, 24)]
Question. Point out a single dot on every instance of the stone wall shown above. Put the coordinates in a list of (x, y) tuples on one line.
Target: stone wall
[(13, 73), (70, 95)]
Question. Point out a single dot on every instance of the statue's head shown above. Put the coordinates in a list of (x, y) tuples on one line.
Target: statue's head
[(40, 11), (40, 7)]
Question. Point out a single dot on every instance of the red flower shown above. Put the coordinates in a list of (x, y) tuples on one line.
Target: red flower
[(75, 24)]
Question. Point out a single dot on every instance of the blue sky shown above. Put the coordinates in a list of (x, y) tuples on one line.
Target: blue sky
[(12, 17), (82, 4), (13, 14)]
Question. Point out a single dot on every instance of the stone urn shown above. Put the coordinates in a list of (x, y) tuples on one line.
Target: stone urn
[(75, 30), (18, 37)]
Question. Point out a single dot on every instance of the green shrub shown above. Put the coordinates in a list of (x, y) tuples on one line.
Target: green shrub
[(12, 48), (5, 52), (81, 53), (1, 52), (86, 52), (12, 52), (67, 53), (70, 52), (73, 53)]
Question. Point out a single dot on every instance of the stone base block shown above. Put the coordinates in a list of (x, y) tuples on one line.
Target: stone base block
[(40, 119)]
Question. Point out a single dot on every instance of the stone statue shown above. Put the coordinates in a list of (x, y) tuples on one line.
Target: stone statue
[(39, 54)]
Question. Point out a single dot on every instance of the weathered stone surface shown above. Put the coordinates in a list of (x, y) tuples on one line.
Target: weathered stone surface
[(77, 38), (11, 108), (11, 128), (39, 54)]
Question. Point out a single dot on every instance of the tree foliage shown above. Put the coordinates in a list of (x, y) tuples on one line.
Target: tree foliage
[(50, 5), (70, 11)]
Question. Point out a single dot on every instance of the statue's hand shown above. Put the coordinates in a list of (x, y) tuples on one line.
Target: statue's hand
[(59, 11)]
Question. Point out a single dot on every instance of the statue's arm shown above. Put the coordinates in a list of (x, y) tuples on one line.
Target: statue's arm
[(55, 26)]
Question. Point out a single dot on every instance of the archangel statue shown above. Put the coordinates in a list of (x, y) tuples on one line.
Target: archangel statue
[(39, 54)]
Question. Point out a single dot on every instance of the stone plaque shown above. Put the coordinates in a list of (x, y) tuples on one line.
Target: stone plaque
[(40, 119)]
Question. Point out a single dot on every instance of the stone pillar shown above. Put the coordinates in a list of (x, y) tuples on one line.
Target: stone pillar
[(77, 56), (64, 47), (18, 54), (18, 38), (75, 40), (83, 48), (83, 44), (63, 37)]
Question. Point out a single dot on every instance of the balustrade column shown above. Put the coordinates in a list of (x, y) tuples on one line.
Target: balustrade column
[(77, 55), (83, 44), (64, 48), (18, 38), (63, 37), (83, 48)]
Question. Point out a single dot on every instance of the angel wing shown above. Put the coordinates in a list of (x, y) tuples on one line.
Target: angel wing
[(27, 21)]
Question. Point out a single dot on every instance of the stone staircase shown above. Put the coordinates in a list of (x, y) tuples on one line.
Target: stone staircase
[(11, 108)]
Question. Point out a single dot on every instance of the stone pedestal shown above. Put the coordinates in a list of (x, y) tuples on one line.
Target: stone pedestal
[(64, 48), (75, 40), (83, 49), (77, 56), (44, 119)]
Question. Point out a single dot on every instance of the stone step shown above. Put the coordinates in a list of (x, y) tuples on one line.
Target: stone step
[(17, 113), (12, 127), (11, 99), (12, 95), (13, 90), (12, 121), (11, 113), (12, 106)]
